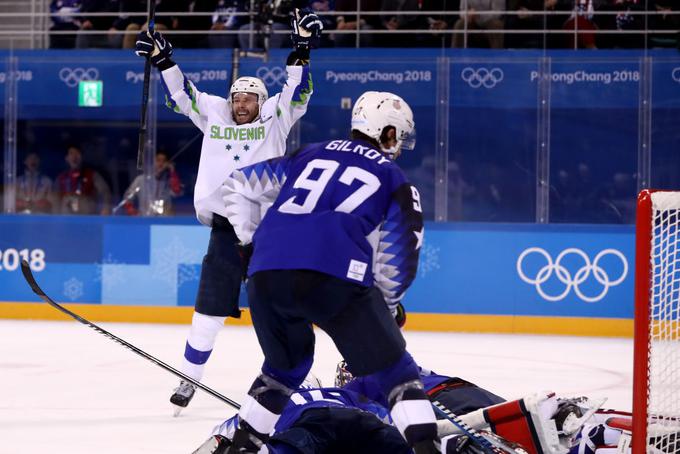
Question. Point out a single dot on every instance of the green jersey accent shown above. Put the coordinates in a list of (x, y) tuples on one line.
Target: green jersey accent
[(236, 133), (304, 93), (192, 96)]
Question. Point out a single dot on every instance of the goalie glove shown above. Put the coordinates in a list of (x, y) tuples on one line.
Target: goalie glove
[(306, 30), (156, 48)]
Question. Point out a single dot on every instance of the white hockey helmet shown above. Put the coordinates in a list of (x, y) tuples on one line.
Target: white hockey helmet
[(249, 84), (376, 110)]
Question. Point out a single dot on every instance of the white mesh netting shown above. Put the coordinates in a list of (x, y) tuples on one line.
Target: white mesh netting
[(663, 426)]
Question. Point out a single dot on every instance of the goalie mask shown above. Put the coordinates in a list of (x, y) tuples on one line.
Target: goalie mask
[(249, 85), (376, 110)]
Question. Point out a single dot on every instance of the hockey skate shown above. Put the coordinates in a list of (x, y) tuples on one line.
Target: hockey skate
[(182, 396)]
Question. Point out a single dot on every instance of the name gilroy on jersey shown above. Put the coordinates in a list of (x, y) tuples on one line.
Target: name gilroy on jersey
[(366, 152)]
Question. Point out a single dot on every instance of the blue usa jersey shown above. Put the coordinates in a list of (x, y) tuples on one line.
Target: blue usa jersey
[(305, 399), (337, 207)]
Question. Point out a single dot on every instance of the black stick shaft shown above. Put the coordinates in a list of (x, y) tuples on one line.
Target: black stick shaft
[(28, 275), (145, 91)]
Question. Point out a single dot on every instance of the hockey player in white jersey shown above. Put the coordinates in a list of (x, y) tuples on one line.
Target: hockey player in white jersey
[(246, 127)]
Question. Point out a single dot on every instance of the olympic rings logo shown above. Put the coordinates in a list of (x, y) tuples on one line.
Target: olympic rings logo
[(482, 77), (273, 76), (565, 277), (676, 74), (73, 76)]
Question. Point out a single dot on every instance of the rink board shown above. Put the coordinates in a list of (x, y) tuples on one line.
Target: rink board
[(560, 279)]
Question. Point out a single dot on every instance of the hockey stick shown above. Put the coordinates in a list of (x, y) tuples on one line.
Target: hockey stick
[(28, 275), (145, 91), (489, 446)]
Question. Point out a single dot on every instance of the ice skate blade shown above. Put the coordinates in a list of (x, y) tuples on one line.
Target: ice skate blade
[(177, 410)]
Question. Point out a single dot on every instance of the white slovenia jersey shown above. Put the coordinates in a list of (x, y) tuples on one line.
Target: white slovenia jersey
[(227, 146)]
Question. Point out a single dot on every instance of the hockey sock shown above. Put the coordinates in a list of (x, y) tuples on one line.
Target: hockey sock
[(200, 343), (410, 407), (269, 394)]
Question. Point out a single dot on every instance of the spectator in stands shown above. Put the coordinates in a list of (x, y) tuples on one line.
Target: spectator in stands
[(619, 199), (349, 22), (620, 18), (90, 24), (526, 17), (162, 23), (117, 34), (476, 16), (274, 16), (664, 19), (199, 24), (34, 190), (164, 187), (582, 24), (225, 18), (321, 7), (81, 190), (63, 20), (394, 23), (439, 22)]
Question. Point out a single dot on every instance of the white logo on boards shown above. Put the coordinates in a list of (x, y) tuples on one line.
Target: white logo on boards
[(676, 74), (274, 76), (73, 76), (565, 276), (482, 77)]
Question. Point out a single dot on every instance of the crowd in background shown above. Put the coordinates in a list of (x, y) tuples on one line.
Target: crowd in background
[(81, 189), (481, 23), (488, 190)]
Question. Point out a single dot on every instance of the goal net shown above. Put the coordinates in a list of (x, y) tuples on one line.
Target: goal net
[(656, 386)]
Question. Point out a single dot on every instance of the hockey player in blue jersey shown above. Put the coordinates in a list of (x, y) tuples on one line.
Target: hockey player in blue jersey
[(328, 420), (350, 418), (341, 235)]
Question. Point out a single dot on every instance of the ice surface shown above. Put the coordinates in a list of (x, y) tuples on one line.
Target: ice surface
[(67, 389)]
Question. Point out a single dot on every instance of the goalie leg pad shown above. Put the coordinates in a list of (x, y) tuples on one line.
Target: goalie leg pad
[(512, 421)]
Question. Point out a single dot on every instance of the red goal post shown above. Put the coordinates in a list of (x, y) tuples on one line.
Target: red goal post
[(656, 373)]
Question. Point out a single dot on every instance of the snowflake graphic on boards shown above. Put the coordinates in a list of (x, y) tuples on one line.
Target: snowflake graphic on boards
[(109, 276), (165, 267), (73, 289), (429, 259)]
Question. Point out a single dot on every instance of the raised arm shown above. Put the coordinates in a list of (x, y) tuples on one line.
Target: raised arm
[(291, 103), (181, 94)]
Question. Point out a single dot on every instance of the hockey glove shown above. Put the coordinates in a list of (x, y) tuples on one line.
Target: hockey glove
[(155, 47), (245, 251), (306, 30), (399, 314)]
